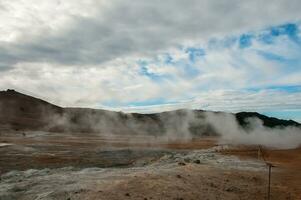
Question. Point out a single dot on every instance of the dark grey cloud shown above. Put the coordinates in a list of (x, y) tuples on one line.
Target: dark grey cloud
[(128, 28)]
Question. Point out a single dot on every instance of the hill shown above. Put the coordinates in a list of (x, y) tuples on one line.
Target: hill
[(22, 112)]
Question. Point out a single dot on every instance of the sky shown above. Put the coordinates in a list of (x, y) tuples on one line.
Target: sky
[(152, 56)]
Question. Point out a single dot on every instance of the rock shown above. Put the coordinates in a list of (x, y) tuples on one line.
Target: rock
[(197, 161), (179, 176), (127, 194), (181, 163), (18, 189), (232, 189), (81, 191), (213, 185)]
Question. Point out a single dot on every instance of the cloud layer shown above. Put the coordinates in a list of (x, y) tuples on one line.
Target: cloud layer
[(152, 55)]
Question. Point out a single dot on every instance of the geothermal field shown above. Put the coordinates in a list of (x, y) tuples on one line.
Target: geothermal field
[(150, 100), (175, 155), (43, 165)]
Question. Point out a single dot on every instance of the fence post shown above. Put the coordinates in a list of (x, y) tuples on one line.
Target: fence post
[(270, 165)]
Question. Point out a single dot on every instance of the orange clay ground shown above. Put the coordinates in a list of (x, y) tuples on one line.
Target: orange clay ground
[(287, 165), (183, 181)]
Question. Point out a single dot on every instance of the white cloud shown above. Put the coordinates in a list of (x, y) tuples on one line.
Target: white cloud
[(230, 101), (89, 32), (29, 18), (85, 53)]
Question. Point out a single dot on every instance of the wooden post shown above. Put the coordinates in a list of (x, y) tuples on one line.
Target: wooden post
[(269, 188), (270, 165)]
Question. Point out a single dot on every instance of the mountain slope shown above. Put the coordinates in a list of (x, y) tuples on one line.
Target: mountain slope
[(267, 121), (22, 112)]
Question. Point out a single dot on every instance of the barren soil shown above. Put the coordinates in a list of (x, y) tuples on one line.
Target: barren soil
[(39, 165)]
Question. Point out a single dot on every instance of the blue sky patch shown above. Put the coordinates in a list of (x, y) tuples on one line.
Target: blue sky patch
[(285, 114), (245, 40), (284, 88), (151, 102), (144, 71), (194, 53), (272, 56)]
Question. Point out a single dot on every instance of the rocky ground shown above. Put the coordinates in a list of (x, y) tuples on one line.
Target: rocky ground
[(64, 167)]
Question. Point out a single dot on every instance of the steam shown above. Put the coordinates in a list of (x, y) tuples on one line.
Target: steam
[(255, 133), (177, 125), (180, 125), (21, 112)]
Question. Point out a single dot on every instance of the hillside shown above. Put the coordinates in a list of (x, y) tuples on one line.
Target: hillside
[(22, 112)]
